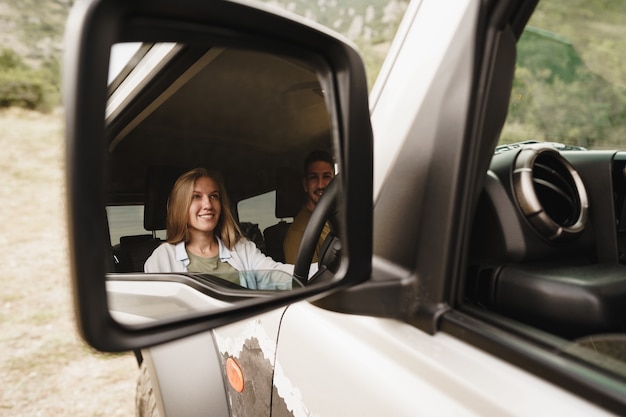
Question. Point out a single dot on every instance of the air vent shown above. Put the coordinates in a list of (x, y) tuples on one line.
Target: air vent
[(550, 193)]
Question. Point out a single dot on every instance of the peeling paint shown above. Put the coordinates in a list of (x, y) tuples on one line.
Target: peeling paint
[(291, 396), (267, 390), (253, 330), (255, 399)]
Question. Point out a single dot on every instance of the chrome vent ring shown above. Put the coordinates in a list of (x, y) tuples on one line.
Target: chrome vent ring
[(550, 193)]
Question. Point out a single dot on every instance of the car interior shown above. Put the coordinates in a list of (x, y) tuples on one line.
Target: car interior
[(546, 257), (218, 130), (545, 247)]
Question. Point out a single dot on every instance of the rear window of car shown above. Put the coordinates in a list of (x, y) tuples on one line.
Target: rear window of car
[(127, 221), (259, 210)]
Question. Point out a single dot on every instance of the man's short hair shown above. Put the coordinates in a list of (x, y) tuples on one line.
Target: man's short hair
[(318, 155)]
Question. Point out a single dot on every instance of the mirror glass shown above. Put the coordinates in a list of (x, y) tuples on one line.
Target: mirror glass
[(249, 119)]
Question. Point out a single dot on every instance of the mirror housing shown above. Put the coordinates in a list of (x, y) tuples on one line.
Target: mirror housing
[(93, 27)]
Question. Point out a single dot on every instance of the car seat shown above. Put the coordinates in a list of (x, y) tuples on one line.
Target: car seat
[(133, 251), (289, 200)]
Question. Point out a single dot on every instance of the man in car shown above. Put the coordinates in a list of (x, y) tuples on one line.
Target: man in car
[(318, 172)]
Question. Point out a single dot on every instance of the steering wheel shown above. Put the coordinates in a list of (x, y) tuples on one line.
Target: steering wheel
[(325, 210)]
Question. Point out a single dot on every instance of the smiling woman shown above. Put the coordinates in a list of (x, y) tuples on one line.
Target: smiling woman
[(204, 237)]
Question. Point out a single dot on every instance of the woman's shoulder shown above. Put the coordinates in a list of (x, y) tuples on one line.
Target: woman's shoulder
[(163, 259), (166, 250), (165, 247)]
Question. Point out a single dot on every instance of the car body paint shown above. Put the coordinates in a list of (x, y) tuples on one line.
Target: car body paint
[(398, 96), (372, 367)]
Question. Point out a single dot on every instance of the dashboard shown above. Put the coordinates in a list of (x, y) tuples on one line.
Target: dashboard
[(547, 245)]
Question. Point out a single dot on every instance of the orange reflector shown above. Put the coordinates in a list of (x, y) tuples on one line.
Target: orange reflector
[(234, 374)]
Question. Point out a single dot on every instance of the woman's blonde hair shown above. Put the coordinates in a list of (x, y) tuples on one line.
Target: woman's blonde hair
[(180, 201)]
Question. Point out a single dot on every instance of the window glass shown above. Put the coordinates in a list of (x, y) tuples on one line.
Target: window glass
[(259, 210), (570, 79), (121, 54), (570, 88), (127, 221)]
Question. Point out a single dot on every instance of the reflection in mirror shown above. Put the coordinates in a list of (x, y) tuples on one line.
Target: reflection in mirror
[(140, 299), (248, 119)]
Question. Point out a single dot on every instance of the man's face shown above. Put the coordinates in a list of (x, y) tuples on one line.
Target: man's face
[(318, 175)]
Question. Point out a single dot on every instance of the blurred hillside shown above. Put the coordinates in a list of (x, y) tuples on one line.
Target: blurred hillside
[(33, 28), (570, 81), (370, 24), (31, 41)]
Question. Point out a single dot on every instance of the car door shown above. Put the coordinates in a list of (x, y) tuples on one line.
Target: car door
[(438, 104), (359, 365)]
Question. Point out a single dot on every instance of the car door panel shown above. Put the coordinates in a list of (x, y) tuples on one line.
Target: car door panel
[(371, 367)]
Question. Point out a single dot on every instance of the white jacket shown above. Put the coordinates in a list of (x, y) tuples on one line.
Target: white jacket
[(256, 268)]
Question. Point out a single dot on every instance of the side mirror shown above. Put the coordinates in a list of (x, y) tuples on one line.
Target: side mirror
[(235, 88)]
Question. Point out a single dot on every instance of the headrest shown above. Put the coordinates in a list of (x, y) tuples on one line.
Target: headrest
[(159, 183), (289, 193)]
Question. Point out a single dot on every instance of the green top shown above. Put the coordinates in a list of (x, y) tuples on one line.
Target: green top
[(214, 266)]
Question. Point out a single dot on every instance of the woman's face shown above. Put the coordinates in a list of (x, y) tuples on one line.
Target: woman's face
[(206, 207)]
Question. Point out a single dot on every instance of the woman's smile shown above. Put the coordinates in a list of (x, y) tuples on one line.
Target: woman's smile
[(205, 208)]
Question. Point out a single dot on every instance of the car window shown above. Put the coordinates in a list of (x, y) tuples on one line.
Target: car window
[(121, 54), (569, 92), (570, 78), (259, 210), (127, 221)]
